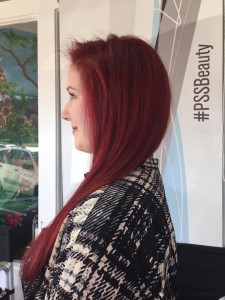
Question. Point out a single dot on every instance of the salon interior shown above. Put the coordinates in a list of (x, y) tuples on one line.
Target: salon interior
[(36, 149)]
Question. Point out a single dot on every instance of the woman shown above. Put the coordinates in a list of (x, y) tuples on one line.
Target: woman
[(114, 239)]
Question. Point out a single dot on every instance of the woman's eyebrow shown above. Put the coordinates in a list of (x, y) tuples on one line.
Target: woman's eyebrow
[(70, 87)]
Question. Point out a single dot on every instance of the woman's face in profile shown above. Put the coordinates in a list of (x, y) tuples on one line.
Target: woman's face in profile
[(74, 112)]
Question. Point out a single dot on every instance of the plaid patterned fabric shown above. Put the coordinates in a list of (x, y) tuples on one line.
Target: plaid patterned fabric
[(119, 243)]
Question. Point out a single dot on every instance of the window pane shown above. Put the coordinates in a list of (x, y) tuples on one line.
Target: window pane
[(19, 132)]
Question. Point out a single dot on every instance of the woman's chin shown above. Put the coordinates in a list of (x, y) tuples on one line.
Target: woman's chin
[(81, 147)]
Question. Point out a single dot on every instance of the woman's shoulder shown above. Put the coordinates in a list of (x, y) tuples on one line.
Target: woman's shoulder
[(134, 190), (145, 180)]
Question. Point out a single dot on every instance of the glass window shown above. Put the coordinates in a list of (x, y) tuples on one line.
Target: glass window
[(19, 131)]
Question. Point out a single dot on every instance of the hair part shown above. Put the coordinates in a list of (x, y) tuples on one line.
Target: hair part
[(127, 101)]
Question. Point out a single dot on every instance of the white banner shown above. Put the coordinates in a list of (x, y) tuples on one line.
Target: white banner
[(192, 50)]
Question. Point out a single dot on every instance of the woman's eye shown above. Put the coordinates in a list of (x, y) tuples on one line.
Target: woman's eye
[(72, 96)]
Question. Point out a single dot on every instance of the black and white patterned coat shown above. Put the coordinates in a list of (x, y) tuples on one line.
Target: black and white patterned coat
[(119, 243)]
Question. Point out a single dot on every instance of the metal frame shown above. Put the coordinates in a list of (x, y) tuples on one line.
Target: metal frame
[(59, 191), (7, 267), (223, 150)]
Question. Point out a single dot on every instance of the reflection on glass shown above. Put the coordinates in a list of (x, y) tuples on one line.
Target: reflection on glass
[(18, 131), (19, 172)]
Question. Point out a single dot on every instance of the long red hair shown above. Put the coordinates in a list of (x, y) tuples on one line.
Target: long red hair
[(127, 102)]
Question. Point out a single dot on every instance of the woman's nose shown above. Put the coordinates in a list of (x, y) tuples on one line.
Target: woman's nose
[(65, 114)]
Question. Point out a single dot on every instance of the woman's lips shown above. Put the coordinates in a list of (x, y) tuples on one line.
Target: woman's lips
[(74, 129)]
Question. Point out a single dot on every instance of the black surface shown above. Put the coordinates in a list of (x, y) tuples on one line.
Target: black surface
[(201, 274)]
